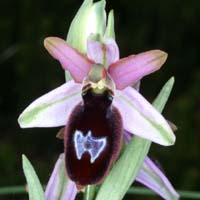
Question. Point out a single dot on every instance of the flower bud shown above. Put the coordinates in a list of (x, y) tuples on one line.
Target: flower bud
[(90, 18)]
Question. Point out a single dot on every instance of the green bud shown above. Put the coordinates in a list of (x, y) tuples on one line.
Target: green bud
[(90, 18), (110, 31)]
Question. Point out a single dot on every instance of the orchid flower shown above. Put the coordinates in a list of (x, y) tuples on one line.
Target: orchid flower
[(139, 117), (93, 59)]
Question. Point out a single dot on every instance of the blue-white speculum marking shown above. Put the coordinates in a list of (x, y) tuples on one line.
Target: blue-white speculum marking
[(93, 145)]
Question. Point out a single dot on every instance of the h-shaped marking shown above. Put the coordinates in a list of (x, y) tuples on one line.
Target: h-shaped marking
[(93, 145)]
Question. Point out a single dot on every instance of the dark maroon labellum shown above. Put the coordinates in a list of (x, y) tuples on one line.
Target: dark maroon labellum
[(92, 138)]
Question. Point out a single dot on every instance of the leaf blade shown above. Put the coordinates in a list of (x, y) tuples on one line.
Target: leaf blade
[(35, 188)]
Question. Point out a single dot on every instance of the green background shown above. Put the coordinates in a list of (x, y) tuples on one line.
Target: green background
[(27, 72)]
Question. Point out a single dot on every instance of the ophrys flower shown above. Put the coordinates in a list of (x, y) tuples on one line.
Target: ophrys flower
[(99, 74)]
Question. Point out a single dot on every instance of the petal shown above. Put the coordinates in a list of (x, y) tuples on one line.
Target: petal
[(105, 52), (59, 186), (77, 64), (94, 51), (112, 51), (131, 69), (141, 118), (53, 108), (152, 177)]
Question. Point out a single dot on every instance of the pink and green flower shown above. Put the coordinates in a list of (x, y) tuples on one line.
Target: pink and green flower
[(139, 117)]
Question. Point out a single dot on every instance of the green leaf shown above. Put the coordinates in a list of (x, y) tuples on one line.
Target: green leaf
[(126, 168), (161, 99), (34, 186), (74, 37), (124, 171), (68, 76)]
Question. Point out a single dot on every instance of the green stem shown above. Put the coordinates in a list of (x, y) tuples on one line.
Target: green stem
[(136, 191), (145, 191), (12, 190), (89, 193)]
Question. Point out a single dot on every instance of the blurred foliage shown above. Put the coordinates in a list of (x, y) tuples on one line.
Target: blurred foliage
[(27, 72)]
